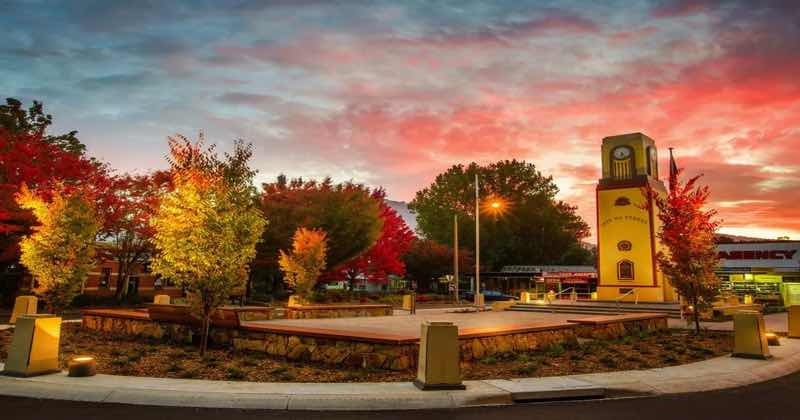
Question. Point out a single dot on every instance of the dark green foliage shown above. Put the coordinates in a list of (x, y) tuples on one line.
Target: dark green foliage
[(536, 228), (15, 119), (346, 212)]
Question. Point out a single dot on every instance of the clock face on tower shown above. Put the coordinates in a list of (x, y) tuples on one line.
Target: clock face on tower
[(621, 153)]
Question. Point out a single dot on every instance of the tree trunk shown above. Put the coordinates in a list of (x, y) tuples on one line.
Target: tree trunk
[(206, 328), (696, 314), (122, 279)]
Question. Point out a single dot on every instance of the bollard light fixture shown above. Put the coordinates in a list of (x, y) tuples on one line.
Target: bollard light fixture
[(82, 366), (772, 339)]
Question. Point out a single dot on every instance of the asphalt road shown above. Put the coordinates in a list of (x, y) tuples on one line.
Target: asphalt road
[(776, 399)]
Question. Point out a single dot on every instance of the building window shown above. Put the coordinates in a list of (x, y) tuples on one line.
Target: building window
[(624, 245), (105, 277), (625, 270)]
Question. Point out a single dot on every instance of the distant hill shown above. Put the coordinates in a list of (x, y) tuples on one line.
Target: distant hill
[(401, 207), (724, 238)]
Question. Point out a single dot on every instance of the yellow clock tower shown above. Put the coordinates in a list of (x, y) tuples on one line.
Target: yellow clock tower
[(627, 225)]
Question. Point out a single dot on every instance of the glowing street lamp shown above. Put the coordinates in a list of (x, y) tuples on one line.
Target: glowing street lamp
[(496, 206)]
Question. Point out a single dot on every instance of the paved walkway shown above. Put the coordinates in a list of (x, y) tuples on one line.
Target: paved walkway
[(713, 374)]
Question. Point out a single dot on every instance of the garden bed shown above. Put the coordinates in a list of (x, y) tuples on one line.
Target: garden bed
[(118, 355)]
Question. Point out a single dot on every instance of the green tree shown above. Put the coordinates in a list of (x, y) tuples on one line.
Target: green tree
[(426, 261), (531, 227), (304, 265), (60, 251), (207, 228), (349, 215)]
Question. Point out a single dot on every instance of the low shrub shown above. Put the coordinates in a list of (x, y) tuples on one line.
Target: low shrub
[(235, 373), (555, 350)]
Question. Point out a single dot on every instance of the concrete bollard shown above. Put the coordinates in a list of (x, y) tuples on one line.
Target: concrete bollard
[(161, 300), (23, 305), (410, 303), (525, 297), (750, 335), (794, 321), (438, 367), (34, 348), (294, 301)]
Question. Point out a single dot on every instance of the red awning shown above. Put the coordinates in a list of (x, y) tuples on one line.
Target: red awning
[(575, 281)]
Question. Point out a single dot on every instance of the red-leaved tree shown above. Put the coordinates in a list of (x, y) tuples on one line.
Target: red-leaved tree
[(384, 258), (26, 158), (127, 232), (688, 231)]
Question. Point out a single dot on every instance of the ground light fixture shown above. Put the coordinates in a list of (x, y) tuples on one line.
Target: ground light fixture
[(82, 366), (772, 339)]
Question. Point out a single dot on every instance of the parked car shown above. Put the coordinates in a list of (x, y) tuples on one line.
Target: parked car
[(488, 296)]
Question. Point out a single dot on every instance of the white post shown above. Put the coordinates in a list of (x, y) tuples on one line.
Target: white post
[(476, 296)]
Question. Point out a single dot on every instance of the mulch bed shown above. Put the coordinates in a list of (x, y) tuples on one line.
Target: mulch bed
[(146, 357)]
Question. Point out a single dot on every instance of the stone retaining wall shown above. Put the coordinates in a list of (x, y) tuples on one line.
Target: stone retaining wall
[(337, 348), (475, 348), (349, 352), (138, 327), (614, 330)]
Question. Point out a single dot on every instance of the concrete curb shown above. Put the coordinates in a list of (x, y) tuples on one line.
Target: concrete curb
[(708, 375)]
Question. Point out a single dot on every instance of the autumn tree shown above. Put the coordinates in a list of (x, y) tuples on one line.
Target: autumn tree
[(535, 227), (688, 233), (426, 261), (384, 258), (17, 120), (60, 251), (30, 156), (346, 212), (207, 227), (127, 235), (303, 266)]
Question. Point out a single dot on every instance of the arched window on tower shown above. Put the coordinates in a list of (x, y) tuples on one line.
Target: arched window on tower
[(625, 270), (622, 164), (652, 162)]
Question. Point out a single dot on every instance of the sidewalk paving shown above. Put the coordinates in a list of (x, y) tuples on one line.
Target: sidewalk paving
[(717, 373)]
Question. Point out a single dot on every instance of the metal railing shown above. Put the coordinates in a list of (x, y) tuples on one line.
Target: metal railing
[(555, 297), (619, 298)]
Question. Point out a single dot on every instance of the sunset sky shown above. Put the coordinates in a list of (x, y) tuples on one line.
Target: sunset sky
[(391, 93)]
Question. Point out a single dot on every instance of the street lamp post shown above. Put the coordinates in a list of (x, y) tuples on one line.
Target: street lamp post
[(455, 257), (476, 294)]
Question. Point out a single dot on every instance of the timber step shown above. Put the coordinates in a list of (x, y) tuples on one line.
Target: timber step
[(598, 308)]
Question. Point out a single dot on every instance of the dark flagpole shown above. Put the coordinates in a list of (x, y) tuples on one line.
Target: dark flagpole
[(673, 169)]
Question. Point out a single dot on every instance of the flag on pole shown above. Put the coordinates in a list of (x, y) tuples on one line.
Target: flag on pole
[(673, 168)]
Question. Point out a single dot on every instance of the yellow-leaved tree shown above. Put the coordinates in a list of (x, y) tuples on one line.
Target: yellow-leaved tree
[(207, 228), (60, 251), (304, 265)]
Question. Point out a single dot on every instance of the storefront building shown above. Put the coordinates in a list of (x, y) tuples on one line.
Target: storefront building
[(541, 279), (767, 270)]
